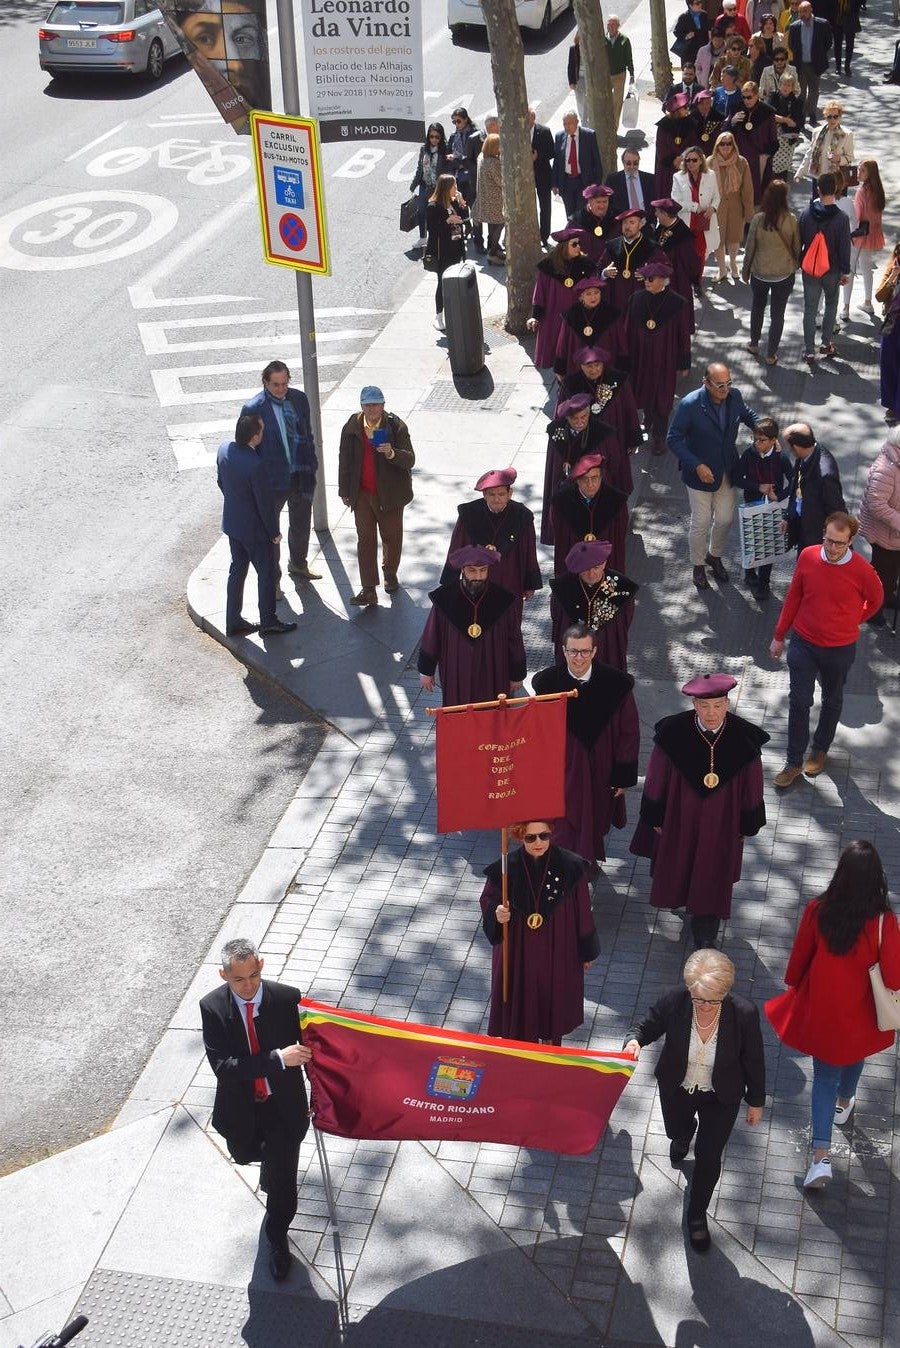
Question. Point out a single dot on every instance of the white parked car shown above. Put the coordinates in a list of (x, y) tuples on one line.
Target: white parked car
[(535, 15)]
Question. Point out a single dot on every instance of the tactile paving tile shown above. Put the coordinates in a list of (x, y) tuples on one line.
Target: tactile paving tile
[(464, 392), (126, 1309)]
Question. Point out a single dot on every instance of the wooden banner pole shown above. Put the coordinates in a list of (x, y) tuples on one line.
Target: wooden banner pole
[(504, 882), (501, 701)]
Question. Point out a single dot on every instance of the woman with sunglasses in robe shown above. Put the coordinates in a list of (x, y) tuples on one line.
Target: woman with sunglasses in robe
[(554, 284), (552, 937)]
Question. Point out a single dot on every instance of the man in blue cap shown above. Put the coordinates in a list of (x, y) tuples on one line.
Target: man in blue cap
[(375, 462), (473, 637)]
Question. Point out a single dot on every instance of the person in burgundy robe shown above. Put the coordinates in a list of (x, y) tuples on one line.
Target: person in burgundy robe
[(553, 286), (755, 133), (673, 136), (603, 737), (703, 795), (552, 938), (593, 594), (596, 222), (496, 522), (677, 243), (706, 121), (473, 637), (659, 349), (586, 321), (574, 432), (611, 397), (626, 255), (585, 508)]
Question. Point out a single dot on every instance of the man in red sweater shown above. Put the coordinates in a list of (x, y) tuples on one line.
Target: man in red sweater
[(833, 590)]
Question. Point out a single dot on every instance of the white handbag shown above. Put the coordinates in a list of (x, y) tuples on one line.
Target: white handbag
[(887, 1000)]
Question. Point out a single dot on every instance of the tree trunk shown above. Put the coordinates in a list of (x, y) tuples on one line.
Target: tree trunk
[(523, 244), (598, 85), (659, 48)]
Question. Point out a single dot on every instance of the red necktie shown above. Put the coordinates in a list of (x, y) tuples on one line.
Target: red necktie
[(573, 157), (261, 1088)]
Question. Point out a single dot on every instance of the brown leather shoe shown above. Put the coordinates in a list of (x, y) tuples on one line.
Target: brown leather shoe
[(365, 599), (788, 774), (815, 763), (391, 584), (302, 571)]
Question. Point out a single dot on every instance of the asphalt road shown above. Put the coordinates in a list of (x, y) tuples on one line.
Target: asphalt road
[(143, 770)]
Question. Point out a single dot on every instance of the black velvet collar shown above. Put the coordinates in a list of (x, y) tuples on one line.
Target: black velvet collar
[(612, 593), (738, 744), (564, 869), (501, 531), (598, 700), (669, 237), (568, 501), (663, 309), (576, 268), (578, 318), (640, 251), (458, 609)]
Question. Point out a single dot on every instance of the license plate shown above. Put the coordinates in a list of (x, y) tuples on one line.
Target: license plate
[(80, 42)]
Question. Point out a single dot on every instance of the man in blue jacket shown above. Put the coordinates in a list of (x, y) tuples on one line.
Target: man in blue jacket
[(824, 217), (250, 520), (703, 438), (289, 454)]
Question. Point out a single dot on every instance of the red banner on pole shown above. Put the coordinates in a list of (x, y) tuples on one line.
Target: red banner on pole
[(374, 1078), (501, 765)]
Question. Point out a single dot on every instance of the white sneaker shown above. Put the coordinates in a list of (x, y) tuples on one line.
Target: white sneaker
[(867, 307), (818, 1175), (843, 1112)]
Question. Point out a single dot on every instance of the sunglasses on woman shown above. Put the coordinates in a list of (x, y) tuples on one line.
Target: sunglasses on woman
[(537, 837)]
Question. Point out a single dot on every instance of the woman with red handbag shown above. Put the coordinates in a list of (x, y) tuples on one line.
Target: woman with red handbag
[(828, 1010)]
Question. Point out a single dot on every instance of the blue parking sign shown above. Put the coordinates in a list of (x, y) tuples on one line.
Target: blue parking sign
[(289, 187)]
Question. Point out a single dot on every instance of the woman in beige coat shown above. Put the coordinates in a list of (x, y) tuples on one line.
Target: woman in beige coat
[(488, 208), (735, 199)]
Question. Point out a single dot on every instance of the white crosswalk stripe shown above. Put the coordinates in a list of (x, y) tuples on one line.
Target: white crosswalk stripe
[(204, 386)]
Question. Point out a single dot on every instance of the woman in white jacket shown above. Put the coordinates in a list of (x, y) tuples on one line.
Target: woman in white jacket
[(697, 193)]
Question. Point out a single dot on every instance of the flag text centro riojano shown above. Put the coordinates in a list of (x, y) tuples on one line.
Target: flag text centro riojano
[(375, 1078)]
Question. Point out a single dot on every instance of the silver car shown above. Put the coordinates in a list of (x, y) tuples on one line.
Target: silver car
[(106, 37)]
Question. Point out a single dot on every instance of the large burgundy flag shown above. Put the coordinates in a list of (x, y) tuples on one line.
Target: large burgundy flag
[(501, 765), (374, 1078)]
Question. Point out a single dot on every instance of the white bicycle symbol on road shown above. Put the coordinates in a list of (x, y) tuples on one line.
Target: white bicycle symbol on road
[(204, 163)]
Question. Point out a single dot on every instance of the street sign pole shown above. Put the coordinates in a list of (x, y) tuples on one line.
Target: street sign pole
[(290, 90)]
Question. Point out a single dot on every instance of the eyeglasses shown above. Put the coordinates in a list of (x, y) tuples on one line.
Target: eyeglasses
[(840, 543), (707, 1001), (832, 116), (579, 653), (692, 161), (725, 383), (543, 836), (747, 98)]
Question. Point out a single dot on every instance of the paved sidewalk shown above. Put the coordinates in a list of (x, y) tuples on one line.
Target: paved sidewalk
[(152, 1232)]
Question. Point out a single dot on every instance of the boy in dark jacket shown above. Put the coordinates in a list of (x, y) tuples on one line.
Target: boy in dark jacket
[(766, 472), (824, 217)]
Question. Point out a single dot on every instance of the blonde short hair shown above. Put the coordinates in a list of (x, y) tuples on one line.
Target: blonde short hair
[(709, 974), (834, 105)]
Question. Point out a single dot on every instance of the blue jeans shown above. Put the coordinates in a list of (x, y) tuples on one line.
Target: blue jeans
[(829, 1083), (806, 663), (814, 287)]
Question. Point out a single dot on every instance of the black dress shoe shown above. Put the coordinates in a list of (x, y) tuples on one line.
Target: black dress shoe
[(678, 1149), (700, 578), (716, 567), (280, 1261), (698, 1234), (277, 628), (241, 629)]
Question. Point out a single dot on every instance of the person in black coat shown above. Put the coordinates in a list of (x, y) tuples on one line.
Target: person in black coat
[(711, 1060), (766, 472), (691, 32), (445, 217), (572, 172), (644, 186), (251, 1033), (434, 159), (812, 69), (542, 150), (815, 487)]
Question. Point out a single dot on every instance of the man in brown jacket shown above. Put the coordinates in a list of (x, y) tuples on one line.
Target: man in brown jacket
[(375, 481)]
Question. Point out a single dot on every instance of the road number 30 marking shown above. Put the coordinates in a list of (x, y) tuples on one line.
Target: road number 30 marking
[(84, 229)]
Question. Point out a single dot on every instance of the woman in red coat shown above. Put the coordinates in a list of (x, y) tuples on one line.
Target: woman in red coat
[(828, 1010)]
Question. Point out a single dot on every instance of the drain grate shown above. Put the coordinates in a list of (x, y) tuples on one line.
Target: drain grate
[(464, 393)]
